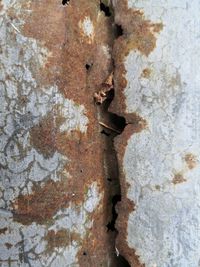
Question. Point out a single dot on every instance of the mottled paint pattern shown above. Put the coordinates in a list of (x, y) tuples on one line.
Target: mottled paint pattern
[(160, 164)]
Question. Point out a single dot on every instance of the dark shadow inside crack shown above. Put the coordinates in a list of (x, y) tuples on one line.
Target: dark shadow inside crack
[(105, 9), (112, 126), (111, 225), (122, 262), (118, 31), (65, 2)]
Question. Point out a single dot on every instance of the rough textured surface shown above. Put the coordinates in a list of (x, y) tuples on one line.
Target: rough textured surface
[(55, 203), (159, 165), (59, 171)]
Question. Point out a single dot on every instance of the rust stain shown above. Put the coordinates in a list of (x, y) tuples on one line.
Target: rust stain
[(69, 52), (43, 136), (69, 49), (191, 160), (137, 123), (3, 230), (157, 27), (178, 178), (93, 251), (146, 73), (42, 203), (59, 239), (139, 34)]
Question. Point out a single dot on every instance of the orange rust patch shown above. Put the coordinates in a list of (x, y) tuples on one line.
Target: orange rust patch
[(61, 238), (137, 123), (42, 203), (43, 136), (191, 160), (3, 230), (138, 34), (157, 27), (69, 52), (146, 73), (8, 245), (69, 49), (178, 178)]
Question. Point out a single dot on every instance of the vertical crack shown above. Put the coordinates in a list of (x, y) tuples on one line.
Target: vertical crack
[(112, 126)]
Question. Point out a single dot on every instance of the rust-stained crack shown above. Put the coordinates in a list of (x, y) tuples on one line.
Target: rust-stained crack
[(112, 125), (94, 39)]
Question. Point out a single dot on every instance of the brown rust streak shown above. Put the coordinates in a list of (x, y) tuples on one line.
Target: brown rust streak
[(44, 201), (191, 160), (59, 239), (178, 178), (43, 135), (146, 73), (57, 28), (139, 34), (69, 49)]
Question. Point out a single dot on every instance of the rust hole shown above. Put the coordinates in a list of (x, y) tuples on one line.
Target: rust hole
[(111, 225), (118, 121), (65, 2), (105, 9), (88, 66), (118, 31)]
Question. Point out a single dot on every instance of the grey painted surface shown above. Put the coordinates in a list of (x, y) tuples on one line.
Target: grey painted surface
[(164, 229)]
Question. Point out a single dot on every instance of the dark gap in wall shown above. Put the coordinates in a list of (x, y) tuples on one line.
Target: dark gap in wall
[(118, 121), (114, 125), (105, 9), (88, 66), (111, 225), (65, 2), (118, 31), (122, 262), (104, 132)]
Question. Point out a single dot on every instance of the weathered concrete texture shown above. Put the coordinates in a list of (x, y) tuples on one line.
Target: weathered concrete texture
[(54, 203), (159, 217)]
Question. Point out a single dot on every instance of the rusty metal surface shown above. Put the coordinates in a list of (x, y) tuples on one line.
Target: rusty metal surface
[(55, 199), (99, 133)]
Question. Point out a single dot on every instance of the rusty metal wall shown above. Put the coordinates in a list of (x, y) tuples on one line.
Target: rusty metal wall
[(99, 117)]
